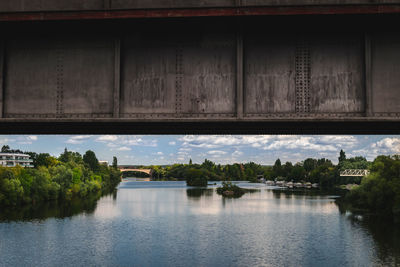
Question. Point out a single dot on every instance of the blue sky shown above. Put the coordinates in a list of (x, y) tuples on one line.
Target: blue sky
[(167, 149)]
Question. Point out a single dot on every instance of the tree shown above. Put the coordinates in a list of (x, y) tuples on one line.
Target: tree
[(277, 169), (190, 162), (41, 160), (342, 156), (5, 149), (196, 177), (297, 173), (310, 164), (115, 163), (90, 159)]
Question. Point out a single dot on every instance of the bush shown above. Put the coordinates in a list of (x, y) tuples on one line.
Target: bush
[(196, 177), (230, 190)]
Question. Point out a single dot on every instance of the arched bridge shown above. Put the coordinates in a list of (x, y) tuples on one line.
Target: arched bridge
[(354, 172), (148, 171)]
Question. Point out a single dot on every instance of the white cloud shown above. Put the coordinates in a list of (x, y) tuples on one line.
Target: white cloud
[(105, 138), (215, 141), (124, 148), (384, 146), (24, 140), (172, 143), (237, 153), (303, 142), (159, 153), (32, 137), (216, 152), (126, 140), (78, 139)]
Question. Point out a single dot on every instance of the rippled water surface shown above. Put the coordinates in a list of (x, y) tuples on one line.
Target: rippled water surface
[(169, 224)]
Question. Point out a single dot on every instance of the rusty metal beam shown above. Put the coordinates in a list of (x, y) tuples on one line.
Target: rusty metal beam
[(202, 12)]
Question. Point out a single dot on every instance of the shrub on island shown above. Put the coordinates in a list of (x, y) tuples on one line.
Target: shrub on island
[(230, 190)]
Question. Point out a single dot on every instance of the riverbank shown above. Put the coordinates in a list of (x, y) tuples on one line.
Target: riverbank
[(68, 177)]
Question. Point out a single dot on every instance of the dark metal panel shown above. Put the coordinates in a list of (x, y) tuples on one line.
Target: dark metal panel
[(31, 78), (337, 73), (313, 2), (200, 12), (49, 5), (88, 76), (239, 73), (117, 77), (368, 76), (126, 4), (70, 77), (2, 71), (148, 74), (269, 74), (386, 73), (208, 82)]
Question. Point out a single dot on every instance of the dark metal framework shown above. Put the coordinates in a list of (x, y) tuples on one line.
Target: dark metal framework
[(235, 69)]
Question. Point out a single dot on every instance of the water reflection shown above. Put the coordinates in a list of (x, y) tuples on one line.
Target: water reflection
[(197, 193), (169, 224), (55, 209)]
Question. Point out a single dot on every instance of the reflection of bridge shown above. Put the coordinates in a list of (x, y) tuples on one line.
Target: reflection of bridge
[(354, 172), (148, 171)]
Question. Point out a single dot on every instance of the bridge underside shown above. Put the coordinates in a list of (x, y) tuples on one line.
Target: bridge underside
[(264, 74)]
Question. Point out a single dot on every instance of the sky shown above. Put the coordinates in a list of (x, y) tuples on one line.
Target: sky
[(222, 149)]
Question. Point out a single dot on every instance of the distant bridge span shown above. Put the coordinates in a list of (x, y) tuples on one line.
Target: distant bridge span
[(148, 171), (354, 172)]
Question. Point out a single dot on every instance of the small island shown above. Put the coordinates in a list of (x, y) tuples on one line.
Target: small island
[(229, 189)]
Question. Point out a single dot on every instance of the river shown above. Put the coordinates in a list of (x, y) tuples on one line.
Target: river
[(169, 224)]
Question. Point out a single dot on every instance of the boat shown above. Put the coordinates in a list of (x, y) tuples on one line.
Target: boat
[(280, 183), (298, 185), (270, 183)]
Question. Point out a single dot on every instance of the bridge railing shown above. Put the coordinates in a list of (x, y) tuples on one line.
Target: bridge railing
[(354, 172)]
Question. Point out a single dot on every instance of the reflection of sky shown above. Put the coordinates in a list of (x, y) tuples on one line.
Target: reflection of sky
[(159, 201), (170, 226)]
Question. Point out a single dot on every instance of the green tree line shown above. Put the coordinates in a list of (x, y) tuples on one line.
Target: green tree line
[(69, 176), (321, 171)]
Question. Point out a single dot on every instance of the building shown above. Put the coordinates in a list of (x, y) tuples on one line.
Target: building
[(14, 159), (103, 162)]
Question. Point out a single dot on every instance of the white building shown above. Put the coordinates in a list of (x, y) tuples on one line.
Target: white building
[(103, 162), (14, 159)]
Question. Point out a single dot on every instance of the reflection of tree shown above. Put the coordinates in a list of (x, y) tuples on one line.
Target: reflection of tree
[(197, 193), (52, 209), (386, 236)]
